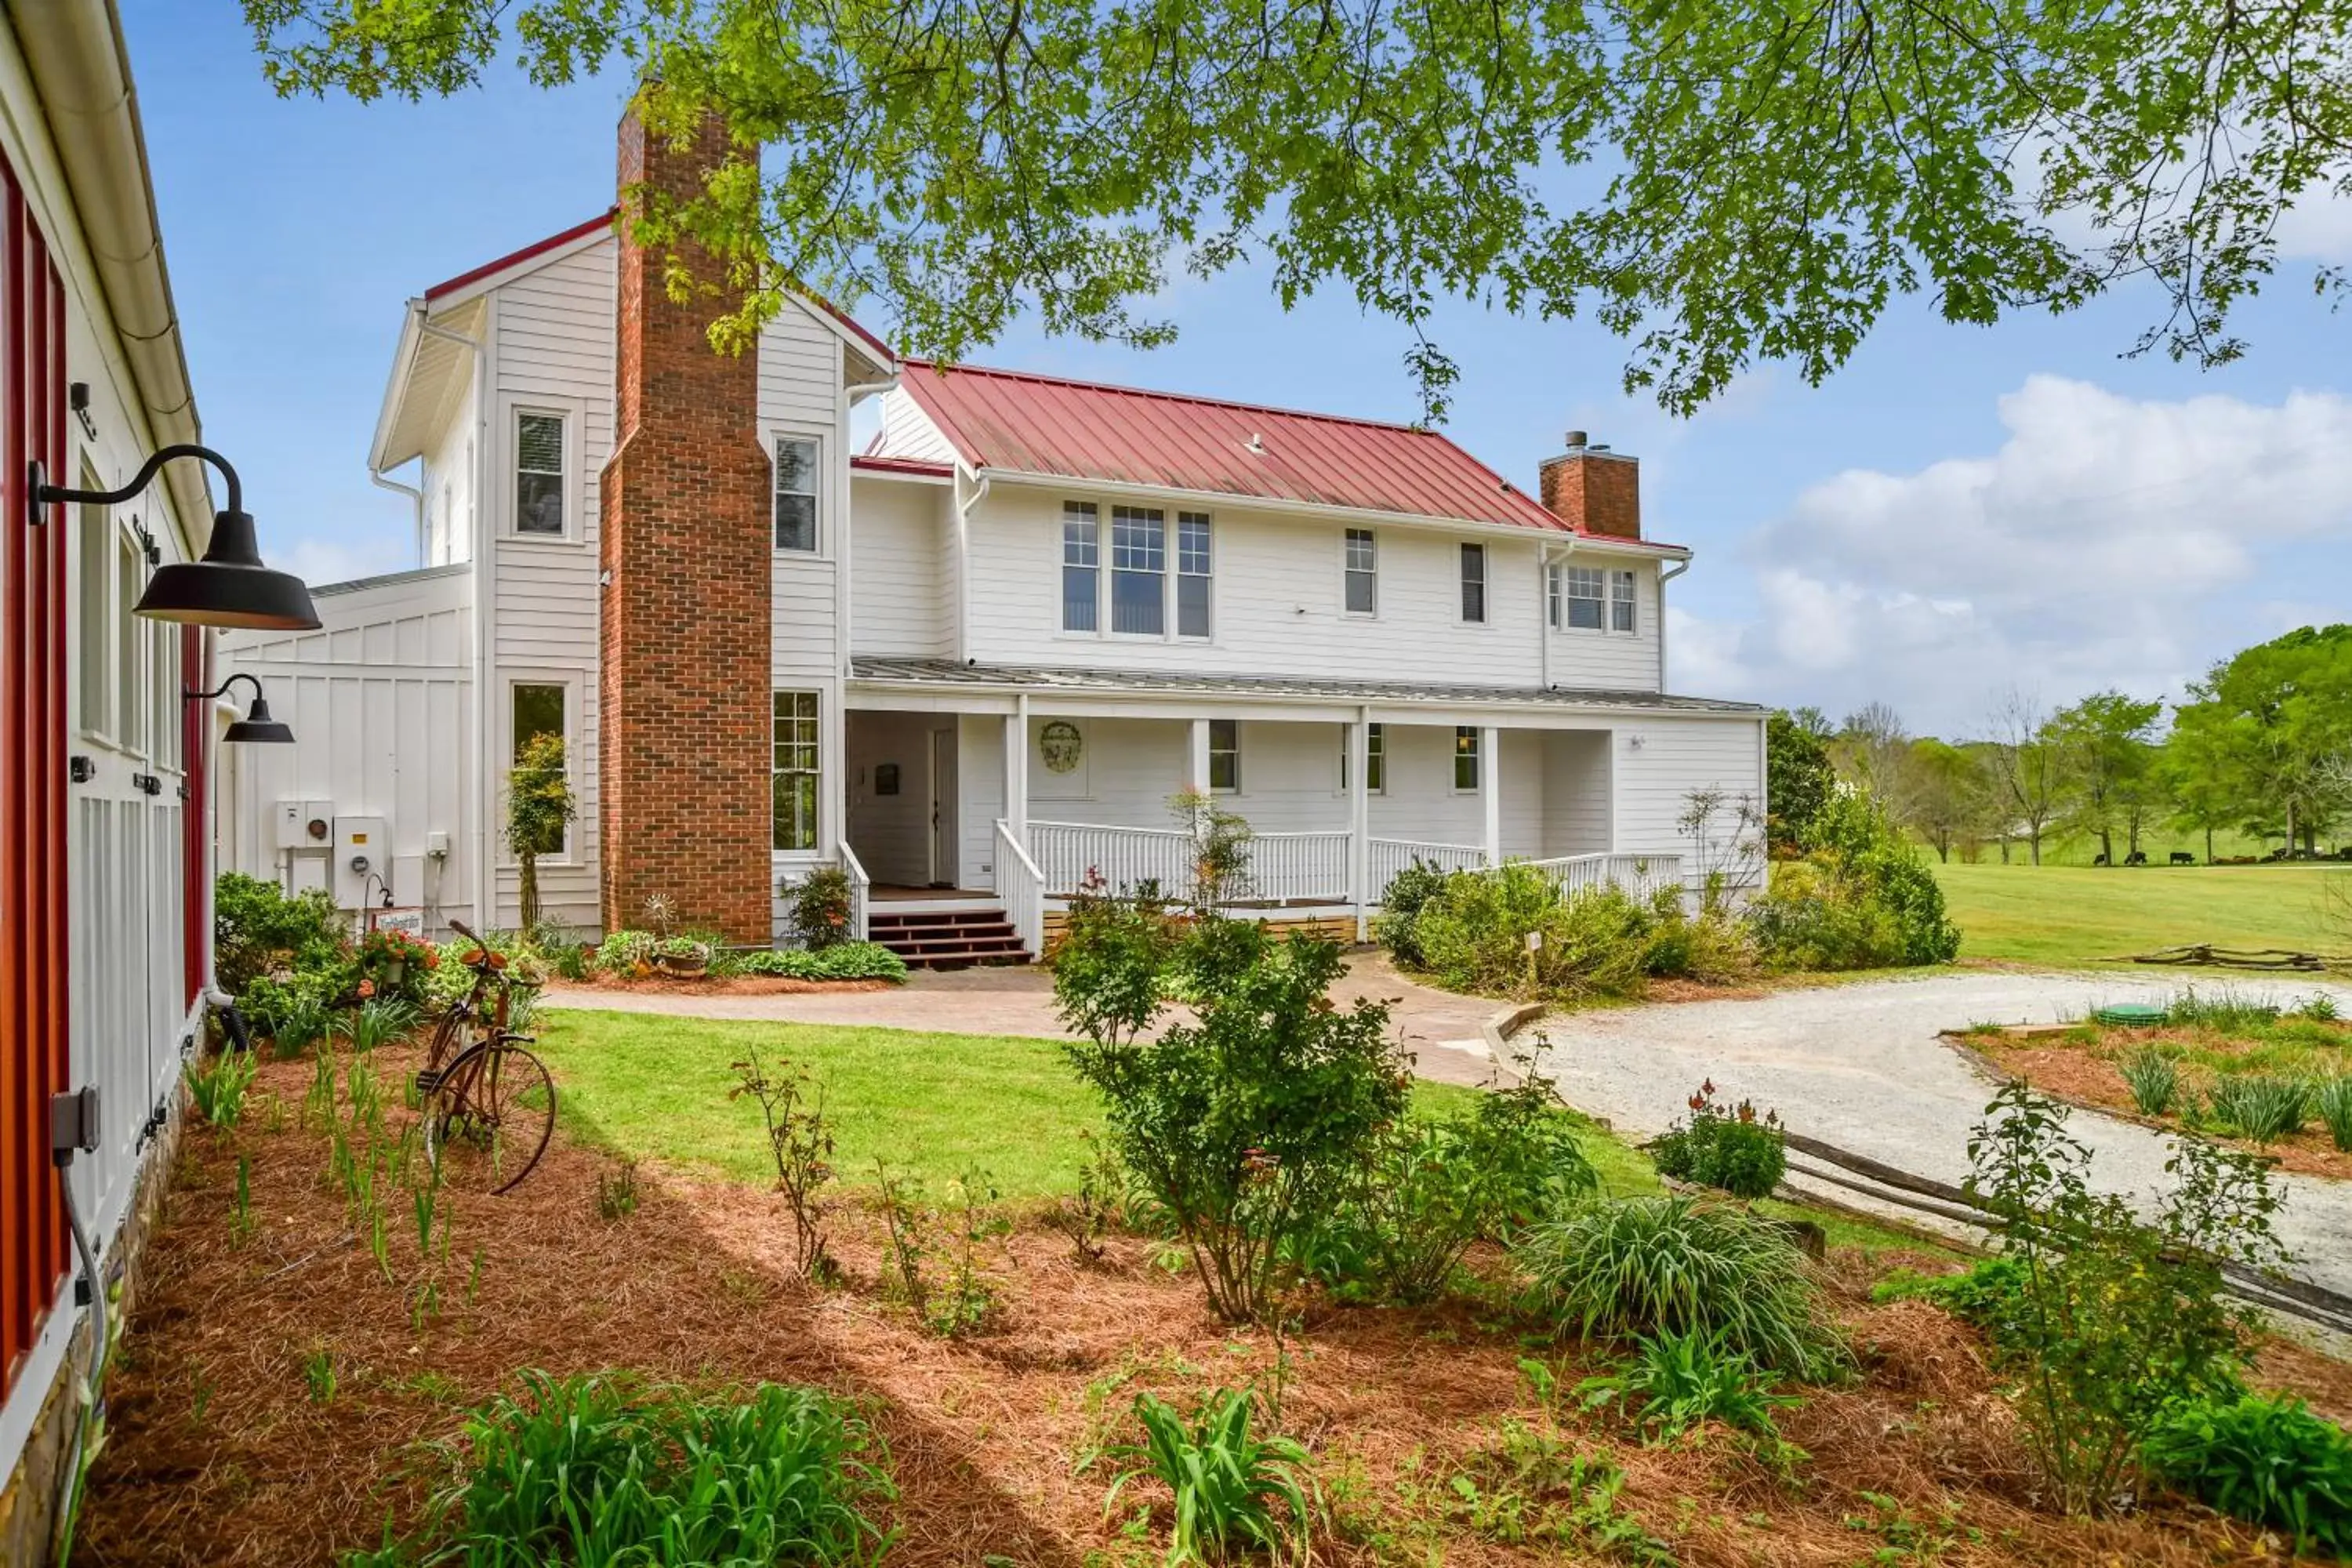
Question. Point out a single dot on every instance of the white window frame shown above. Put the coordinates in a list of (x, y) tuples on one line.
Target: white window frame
[(818, 533), (1474, 752), (1349, 570), (1625, 596), (1614, 590), (1234, 751), (574, 532), (815, 720), (1462, 556), (569, 684), (1102, 520), (1376, 759)]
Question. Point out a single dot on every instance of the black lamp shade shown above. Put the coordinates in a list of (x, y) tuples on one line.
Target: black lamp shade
[(258, 728), (231, 587)]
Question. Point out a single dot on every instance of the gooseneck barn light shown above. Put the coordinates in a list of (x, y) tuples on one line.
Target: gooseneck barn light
[(230, 586), (257, 728)]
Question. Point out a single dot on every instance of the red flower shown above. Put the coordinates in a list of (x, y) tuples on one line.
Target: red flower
[(367, 989)]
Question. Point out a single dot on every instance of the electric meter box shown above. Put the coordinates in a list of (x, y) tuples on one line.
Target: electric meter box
[(363, 861), (306, 824)]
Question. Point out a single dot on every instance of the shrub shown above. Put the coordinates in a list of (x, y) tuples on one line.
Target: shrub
[(2268, 1461), (600, 1469), (1472, 935), (1233, 1490), (624, 952), (1677, 1266), (1434, 1186), (2265, 1107), (1867, 898), (539, 807), (1674, 1382), (2114, 1319), (257, 928), (1247, 1123), (2152, 1078), (1408, 892), (2331, 1101), (1809, 918), (848, 961), (821, 909), (292, 1015), (1732, 1149)]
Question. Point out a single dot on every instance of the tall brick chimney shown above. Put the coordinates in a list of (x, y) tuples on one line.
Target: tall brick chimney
[(1596, 491), (687, 550)]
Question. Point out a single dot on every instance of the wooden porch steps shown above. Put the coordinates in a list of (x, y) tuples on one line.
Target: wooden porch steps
[(945, 939)]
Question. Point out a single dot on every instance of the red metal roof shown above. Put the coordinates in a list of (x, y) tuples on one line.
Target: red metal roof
[(868, 462), (1044, 424), (517, 257)]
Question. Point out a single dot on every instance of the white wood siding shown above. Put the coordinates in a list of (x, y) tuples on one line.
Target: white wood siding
[(908, 431), (900, 575), (552, 343), (1611, 661), (1276, 604), (1676, 755), (1576, 792), (381, 701)]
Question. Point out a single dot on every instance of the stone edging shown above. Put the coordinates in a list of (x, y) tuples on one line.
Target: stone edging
[(1498, 1027)]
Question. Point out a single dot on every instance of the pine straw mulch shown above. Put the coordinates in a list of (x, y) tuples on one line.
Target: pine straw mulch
[(658, 985), (2088, 1075), (217, 1455)]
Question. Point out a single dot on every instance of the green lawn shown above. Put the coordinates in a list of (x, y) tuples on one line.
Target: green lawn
[(2071, 914), (931, 1105)]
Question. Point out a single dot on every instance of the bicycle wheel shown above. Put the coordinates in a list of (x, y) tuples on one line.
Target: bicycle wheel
[(489, 1117)]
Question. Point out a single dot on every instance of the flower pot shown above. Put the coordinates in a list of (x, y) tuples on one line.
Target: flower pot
[(395, 970), (682, 966)]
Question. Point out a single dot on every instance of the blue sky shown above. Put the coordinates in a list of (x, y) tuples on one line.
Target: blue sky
[(1959, 511)]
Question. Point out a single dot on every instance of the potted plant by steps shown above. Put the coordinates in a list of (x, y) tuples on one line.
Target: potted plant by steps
[(682, 956)]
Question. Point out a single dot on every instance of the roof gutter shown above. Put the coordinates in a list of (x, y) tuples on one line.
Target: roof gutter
[(1603, 542), (82, 70)]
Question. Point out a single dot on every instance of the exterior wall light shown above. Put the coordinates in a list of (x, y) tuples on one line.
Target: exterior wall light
[(257, 728), (230, 586)]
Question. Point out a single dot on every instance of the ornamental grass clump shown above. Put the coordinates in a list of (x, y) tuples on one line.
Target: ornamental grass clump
[(2153, 1078), (2265, 1107), (604, 1470), (2331, 1101), (1679, 1265)]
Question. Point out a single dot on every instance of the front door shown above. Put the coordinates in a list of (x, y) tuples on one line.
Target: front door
[(943, 808)]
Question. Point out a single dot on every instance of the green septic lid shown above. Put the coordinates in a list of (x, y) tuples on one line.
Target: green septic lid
[(2138, 1014)]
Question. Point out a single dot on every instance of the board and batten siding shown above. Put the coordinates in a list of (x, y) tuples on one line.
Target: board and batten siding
[(551, 336), (382, 704), (900, 578), (1276, 604)]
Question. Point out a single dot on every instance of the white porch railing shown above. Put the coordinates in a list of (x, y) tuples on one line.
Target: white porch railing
[(1640, 874), (1124, 856), (861, 889), (1023, 888), (1390, 855), (1299, 868)]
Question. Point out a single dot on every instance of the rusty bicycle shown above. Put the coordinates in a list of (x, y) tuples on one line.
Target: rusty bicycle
[(488, 1104)]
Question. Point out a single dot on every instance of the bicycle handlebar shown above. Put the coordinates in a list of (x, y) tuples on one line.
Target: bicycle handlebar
[(467, 931)]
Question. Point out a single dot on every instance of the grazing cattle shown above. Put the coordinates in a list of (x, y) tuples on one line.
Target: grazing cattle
[(2183, 858), (2100, 858), (2136, 858)]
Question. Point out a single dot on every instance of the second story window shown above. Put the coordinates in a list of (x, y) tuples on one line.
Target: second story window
[(1363, 573), (538, 475), (1576, 598), (1081, 568), (795, 493), (1193, 562), (1474, 582), (1139, 571)]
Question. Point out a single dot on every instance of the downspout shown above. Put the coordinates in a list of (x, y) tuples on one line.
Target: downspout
[(1665, 577), (1543, 608), (417, 500), (963, 564)]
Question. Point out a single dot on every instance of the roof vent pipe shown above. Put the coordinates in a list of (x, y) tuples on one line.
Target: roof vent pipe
[(1575, 440)]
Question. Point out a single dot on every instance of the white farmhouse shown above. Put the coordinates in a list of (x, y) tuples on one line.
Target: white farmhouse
[(968, 663)]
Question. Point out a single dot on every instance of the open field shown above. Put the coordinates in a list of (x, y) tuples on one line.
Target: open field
[(2074, 914)]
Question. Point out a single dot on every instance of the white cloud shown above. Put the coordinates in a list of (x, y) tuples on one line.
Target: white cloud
[(2318, 227), (319, 561), (2108, 541)]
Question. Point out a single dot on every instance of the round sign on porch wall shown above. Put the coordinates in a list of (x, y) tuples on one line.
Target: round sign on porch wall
[(1062, 746)]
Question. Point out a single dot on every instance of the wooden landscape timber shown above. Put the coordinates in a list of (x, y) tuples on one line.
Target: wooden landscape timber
[(2205, 954)]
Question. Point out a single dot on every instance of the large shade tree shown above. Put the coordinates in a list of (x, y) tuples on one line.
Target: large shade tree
[(1720, 181), (2271, 729)]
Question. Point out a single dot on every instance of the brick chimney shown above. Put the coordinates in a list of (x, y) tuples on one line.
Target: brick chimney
[(687, 551), (1595, 490)]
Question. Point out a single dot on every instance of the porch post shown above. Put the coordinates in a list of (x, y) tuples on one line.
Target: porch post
[(1360, 891), (1490, 790), (1017, 770), (1197, 758)]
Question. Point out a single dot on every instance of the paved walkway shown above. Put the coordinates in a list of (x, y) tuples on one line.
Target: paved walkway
[(1860, 1067), (1442, 1030)]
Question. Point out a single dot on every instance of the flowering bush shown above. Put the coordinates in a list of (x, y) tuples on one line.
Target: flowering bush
[(1734, 1149), (392, 963)]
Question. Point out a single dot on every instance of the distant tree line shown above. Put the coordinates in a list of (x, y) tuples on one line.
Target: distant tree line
[(2262, 745)]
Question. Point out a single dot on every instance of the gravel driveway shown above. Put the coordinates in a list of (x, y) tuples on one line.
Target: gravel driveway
[(1860, 1067)]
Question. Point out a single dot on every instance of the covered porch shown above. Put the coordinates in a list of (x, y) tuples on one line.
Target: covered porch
[(989, 795)]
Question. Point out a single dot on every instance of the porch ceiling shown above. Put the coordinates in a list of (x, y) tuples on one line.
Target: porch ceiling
[(950, 674)]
